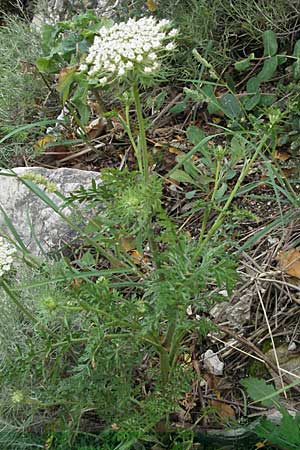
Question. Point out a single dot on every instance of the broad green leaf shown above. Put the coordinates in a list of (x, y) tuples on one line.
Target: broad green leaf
[(190, 194), (231, 106), (79, 99), (244, 63), (182, 177), (296, 64), (296, 69), (267, 99), (48, 64), (296, 51), (221, 191), (253, 85), (258, 389), (66, 79), (268, 70), (251, 101), (207, 94), (270, 43), (179, 108), (195, 134)]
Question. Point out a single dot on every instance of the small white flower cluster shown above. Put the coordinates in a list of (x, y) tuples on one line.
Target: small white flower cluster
[(135, 45), (6, 256)]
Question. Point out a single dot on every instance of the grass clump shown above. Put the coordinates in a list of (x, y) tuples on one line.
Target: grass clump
[(22, 89)]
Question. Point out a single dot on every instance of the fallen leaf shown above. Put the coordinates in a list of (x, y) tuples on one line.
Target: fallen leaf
[(289, 262), (96, 127), (42, 142), (176, 151), (261, 444), (151, 5), (224, 410), (281, 155), (127, 243)]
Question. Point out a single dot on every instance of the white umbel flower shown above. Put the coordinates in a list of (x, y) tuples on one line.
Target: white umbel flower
[(135, 45), (6, 256)]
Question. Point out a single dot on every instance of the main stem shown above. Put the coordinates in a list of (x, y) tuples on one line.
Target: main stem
[(142, 144)]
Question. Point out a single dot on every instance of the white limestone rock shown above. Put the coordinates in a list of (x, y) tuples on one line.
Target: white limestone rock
[(41, 229)]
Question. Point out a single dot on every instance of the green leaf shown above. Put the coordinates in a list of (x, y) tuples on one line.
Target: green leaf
[(253, 89), (79, 99), (48, 64), (270, 43), (244, 63), (182, 177), (66, 79), (267, 99), (258, 389), (209, 94), (221, 191), (179, 108), (230, 106), (190, 194), (253, 86), (195, 134), (251, 101), (296, 51), (268, 70)]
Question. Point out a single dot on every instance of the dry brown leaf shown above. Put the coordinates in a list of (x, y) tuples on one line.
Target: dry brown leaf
[(224, 409), (281, 155), (127, 243), (151, 5), (289, 262), (42, 142), (96, 127), (175, 150), (64, 73)]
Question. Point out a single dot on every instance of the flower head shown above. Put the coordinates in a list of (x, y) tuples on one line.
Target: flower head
[(135, 45), (6, 256)]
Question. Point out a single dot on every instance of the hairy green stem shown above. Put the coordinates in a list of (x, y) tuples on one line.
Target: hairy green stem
[(131, 138), (208, 209), (142, 144)]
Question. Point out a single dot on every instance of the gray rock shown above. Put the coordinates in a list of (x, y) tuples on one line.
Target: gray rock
[(236, 312), (41, 229), (288, 361), (212, 363)]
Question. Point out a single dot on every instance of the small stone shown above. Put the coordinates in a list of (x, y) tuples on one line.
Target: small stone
[(212, 363), (292, 346)]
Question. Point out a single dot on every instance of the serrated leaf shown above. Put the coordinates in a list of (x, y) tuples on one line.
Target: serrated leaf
[(270, 43), (258, 389), (268, 69), (230, 105)]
